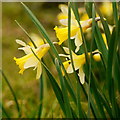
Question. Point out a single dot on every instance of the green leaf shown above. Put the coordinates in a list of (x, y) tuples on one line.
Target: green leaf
[(41, 96), (110, 82), (88, 7), (90, 61), (26, 33), (4, 112), (13, 93), (64, 90), (56, 89), (100, 44), (105, 24)]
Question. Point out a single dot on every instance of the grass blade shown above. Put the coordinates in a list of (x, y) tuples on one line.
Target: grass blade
[(41, 96), (100, 44), (4, 111), (105, 24), (110, 81), (88, 7), (26, 33), (90, 62), (64, 90), (13, 93)]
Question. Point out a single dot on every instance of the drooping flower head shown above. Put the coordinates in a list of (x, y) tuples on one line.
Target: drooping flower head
[(78, 61), (62, 32), (30, 60)]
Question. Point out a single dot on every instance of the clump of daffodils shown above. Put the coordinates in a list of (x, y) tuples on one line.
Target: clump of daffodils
[(30, 60), (62, 31)]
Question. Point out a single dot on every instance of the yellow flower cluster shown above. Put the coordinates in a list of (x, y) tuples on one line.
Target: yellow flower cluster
[(30, 60)]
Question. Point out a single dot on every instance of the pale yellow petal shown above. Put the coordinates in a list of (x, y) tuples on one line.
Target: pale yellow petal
[(79, 60), (36, 39), (78, 41), (70, 69), (63, 55), (20, 42), (26, 49), (66, 50), (88, 23), (81, 75), (42, 50), (61, 16), (31, 62), (39, 70), (64, 9)]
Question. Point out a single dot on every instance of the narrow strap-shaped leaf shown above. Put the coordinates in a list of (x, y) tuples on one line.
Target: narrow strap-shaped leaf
[(54, 84), (4, 111), (105, 24), (71, 91), (90, 61), (88, 7), (26, 33), (100, 44), (64, 90), (110, 82), (97, 99), (13, 93), (41, 96)]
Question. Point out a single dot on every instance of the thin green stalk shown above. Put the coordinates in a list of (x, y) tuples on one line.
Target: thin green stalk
[(13, 93), (41, 97), (26, 33), (4, 111), (64, 90), (90, 60), (110, 82)]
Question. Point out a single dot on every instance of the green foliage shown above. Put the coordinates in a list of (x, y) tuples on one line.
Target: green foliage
[(98, 93)]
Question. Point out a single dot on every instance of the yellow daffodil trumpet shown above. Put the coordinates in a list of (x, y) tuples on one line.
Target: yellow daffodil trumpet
[(30, 60), (79, 61)]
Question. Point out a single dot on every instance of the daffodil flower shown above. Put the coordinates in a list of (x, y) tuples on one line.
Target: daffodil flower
[(62, 32), (78, 61), (30, 60)]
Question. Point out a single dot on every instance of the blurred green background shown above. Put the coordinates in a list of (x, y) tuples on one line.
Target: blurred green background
[(26, 87)]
